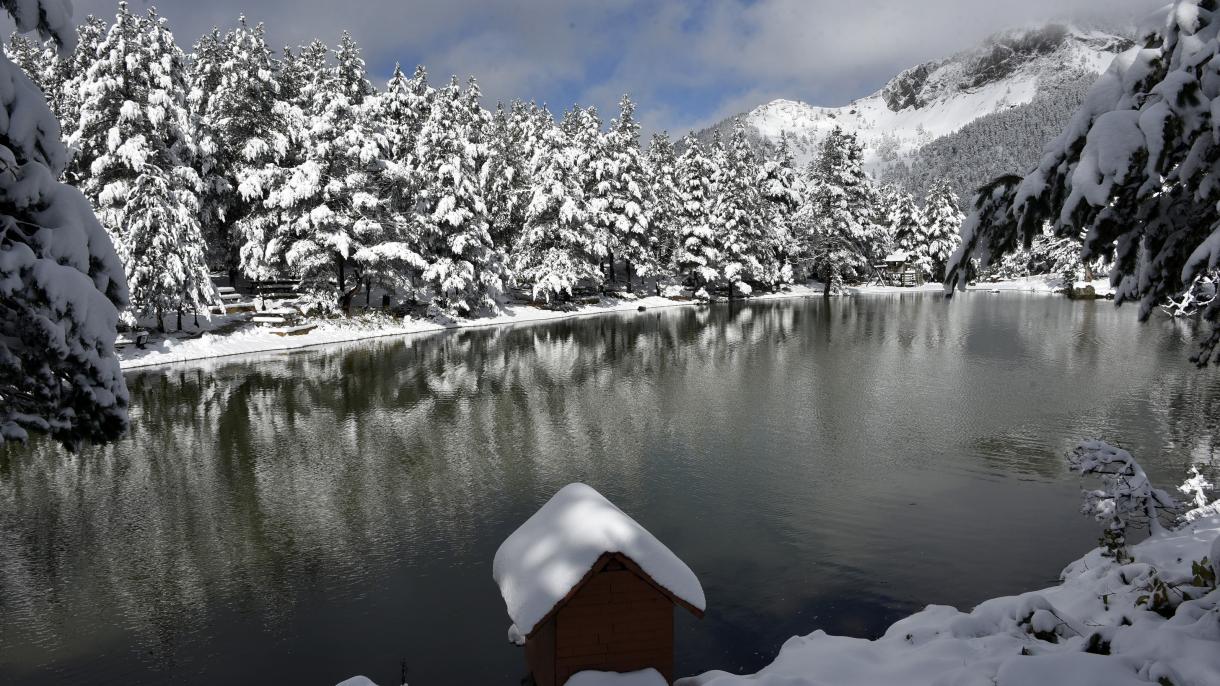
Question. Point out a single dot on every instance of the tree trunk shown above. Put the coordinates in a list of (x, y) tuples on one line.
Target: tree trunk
[(1088, 271), (160, 321), (826, 289), (341, 274), (611, 266), (368, 294), (179, 318)]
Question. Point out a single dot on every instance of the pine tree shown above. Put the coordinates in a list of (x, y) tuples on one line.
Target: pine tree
[(32, 58), (746, 246), (620, 194), (513, 142), (662, 165), (841, 238), (325, 201), (944, 222), (60, 280), (698, 256), (910, 228), (133, 122), (208, 57), (394, 118), (247, 127), (782, 194), (67, 72), (556, 251), (162, 248), (465, 271)]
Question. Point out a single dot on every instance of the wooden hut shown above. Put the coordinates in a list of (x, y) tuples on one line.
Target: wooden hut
[(589, 589), (900, 269)]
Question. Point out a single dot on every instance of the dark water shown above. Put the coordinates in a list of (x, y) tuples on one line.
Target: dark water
[(306, 517)]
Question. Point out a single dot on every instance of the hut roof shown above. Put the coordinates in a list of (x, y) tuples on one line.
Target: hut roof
[(898, 256), (552, 553)]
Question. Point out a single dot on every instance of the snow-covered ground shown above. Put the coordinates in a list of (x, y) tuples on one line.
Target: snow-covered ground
[(1090, 630), (233, 335), (239, 338)]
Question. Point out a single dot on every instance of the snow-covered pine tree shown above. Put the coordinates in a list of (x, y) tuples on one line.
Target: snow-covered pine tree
[(844, 241), (513, 140), (556, 251), (61, 283), (208, 57), (394, 118), (746, 246), (162, 248), (1135, 169), (662, 164), (620, 194), (324, 202), (247, 126), (698, 256), (465, 271), (910, 230), (32, 58), (782, 194), (943, 220), (134, 121), (67, 72)]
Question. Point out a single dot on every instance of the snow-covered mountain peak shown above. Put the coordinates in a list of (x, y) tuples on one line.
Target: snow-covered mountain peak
[(935, 99)]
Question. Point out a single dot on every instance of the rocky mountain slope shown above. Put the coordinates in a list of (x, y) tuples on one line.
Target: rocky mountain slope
[(1016, 88)]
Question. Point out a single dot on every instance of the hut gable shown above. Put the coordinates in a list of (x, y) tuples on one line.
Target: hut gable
[(547, 560)]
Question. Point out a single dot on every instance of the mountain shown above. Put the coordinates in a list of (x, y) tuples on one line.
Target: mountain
[(1000, 101)]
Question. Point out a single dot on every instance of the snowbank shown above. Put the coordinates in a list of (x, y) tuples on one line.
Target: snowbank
[(254, 339), (548, 555), (1094, 629), (644, 677)]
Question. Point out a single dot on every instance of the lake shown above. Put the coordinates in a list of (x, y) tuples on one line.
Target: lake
[(836, 465)]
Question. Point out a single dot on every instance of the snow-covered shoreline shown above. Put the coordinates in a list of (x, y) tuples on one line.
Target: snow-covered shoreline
[(1096, 628), (251, 339)]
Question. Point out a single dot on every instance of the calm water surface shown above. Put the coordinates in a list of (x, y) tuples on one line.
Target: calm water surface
[(305, 517)]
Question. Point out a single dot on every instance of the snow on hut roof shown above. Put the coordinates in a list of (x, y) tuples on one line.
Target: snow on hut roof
[(549, 555), (897, 256)]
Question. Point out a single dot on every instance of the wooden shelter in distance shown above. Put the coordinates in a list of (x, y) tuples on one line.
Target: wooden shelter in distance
[(590, 590), (899, 269)]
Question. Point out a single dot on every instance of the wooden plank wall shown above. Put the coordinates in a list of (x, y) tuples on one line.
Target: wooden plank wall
[(617, 622)]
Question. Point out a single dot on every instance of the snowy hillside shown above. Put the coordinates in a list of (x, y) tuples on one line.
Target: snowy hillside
[(935, 99)]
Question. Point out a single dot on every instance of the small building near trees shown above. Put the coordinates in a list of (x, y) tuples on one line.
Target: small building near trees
[(590, 590)]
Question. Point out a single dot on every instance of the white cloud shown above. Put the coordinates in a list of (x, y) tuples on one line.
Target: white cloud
[(685, 62)]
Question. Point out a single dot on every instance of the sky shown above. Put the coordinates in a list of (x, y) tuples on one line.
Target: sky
[(686, 63)]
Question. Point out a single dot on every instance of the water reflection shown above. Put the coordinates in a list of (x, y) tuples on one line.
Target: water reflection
[(308, 516)]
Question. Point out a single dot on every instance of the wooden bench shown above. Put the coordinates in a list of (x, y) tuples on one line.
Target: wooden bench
[(138, 338), (294, 330)]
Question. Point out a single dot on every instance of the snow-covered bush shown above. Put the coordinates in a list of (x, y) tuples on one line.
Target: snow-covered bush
[(1126, 497), (61, 284)]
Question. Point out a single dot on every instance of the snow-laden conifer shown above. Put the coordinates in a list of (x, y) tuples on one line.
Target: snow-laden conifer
[(325, 202), (661, 162), (943, 220), (782, 194), (465, 271), (246, 124), (61, 283), (133, 122), (698, 257), (556, 252), (620, 194)]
